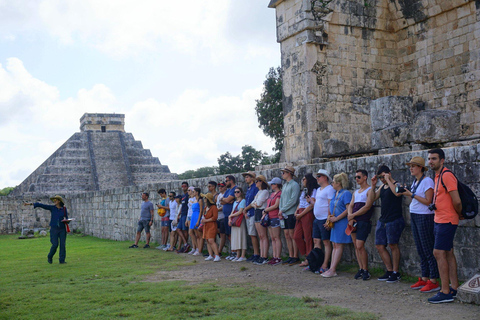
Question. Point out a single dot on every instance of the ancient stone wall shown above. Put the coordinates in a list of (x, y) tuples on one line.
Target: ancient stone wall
[(112, 214), (340, 56)]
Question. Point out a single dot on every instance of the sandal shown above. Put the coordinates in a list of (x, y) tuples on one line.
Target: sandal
[(303, 264), (322, 270)]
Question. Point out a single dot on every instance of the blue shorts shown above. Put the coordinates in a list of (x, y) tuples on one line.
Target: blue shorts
[(319, 231), (228, 229), (274, 223), (221, 225), (389, 232), (143, 224), (444, 234), (167, 223), (363, 230), (181, 223)]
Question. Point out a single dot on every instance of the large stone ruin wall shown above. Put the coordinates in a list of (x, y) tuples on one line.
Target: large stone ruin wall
[(366, 76), (112, 214)]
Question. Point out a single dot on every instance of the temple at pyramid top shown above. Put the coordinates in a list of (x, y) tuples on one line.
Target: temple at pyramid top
[(101, 156)]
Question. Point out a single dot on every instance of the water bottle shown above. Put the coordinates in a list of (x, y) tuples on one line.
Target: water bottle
[(282, 221)]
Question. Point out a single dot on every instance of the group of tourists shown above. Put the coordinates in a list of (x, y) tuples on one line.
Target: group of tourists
[(322, 212)]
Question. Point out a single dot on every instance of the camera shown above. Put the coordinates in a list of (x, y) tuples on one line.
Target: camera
[(399, 188), (432, 207)]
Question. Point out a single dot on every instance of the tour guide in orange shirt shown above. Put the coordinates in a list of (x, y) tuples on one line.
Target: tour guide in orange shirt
[(448, 207)]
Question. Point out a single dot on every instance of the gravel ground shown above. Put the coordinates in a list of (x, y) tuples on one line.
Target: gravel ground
[(389, 301)]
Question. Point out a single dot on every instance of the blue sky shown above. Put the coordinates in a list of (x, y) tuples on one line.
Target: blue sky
[(186, 75)]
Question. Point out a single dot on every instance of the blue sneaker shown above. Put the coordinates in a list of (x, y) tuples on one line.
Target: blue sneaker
[(441, 297), (453, 292)]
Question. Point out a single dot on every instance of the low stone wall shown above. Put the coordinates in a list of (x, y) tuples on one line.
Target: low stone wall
[(112, 214)]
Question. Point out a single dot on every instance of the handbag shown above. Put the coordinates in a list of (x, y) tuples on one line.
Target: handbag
[(265, 221), (237, 220)]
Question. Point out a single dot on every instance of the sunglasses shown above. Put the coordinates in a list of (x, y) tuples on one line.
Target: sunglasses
[(320, 175), (237, 192), (358, 177), (381, 177)]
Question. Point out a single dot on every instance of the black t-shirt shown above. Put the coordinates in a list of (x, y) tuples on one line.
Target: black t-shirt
[(184, 210), (391, 205)]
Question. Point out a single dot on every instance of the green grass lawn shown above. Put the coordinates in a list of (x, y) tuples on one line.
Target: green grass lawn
[(104, 280)]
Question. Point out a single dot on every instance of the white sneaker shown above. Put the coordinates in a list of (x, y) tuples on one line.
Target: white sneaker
[(166, 247), (241, 259), (196, 253), (192, 251), (230, 257), (217, 258), (234, 259), (209, 258)]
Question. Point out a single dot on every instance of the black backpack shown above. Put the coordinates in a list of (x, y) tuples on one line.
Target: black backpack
[(315, 259), (468, 198)]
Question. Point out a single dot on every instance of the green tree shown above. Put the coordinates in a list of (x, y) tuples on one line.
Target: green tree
[(6, 191), (269, 108), (230, 164), (199, 173), (251, 157)]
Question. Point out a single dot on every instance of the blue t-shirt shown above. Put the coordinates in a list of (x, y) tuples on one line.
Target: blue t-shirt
[(341, 200), (227, 208), (237, 206), (145, 210), (249, 196)]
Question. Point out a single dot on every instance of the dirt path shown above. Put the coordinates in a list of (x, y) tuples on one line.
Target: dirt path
[(389, 301)]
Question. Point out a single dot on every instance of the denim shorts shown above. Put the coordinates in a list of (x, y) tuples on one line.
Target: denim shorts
[(389, 232), (181, 223), (444, 234), (166, 223), (363, 230), (319, 231), (143, 224), (274, 223), (258, 215)]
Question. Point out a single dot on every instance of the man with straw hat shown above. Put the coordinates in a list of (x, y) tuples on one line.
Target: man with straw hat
[(58, 226)]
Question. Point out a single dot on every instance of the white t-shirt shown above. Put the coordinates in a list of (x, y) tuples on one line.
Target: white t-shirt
[(416, 206), (260, 200), (173, 210), (303, 201), (320, 209), (221, 215)]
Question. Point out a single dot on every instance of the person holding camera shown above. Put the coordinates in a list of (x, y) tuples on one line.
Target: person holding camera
[(421, 193), (360, 212), (448, 208), (390, 225)]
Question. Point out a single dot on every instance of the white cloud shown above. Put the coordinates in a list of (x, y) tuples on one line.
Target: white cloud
[(124, 28), (189, 133)]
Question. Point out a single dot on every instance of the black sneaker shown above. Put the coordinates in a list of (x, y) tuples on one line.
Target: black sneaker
[(394, 277), (294, 261), (365, 275), (287, 261), (146, 246), (359, 274), (50, 261), (255, 258), (385, 276), (259, 261), (133, 246)]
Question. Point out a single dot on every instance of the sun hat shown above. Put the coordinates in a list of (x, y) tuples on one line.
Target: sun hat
[(275, 181), (208, 196), (250, 173), (191, 188), (324, 172), (262, 178), (419, 161), (58, 198), (289, 169)]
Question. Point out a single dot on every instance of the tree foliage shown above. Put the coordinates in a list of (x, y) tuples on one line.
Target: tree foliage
[(246, 161), (199, 173), (269, 108), (6, 191)]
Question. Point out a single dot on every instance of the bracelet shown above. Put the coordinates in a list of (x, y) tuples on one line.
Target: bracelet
[(413, 195)]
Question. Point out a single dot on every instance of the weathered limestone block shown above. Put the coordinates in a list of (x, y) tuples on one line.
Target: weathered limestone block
[(434, 126), (335, 147)]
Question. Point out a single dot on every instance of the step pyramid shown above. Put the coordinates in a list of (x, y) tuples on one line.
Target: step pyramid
[(101, 156)]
